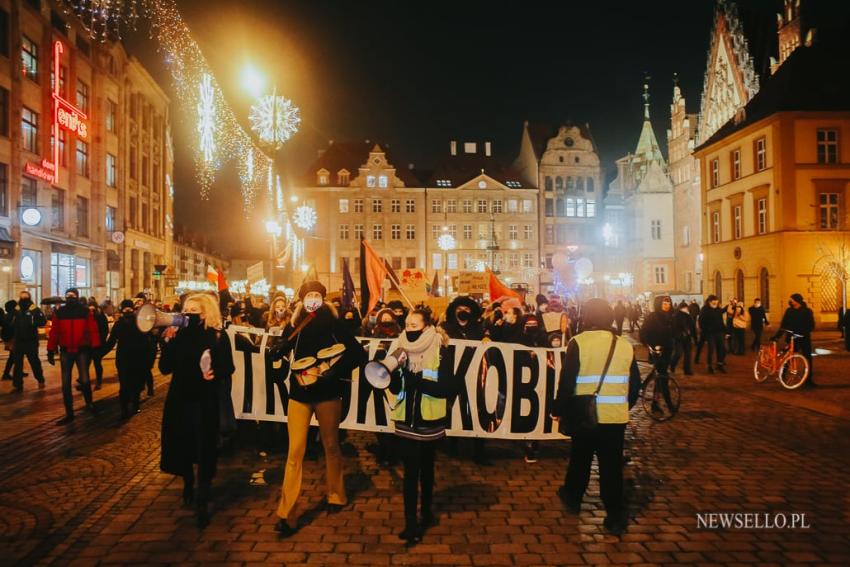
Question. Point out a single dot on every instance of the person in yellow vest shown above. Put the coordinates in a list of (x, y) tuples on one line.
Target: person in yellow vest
[(586, 357), (421, 386)]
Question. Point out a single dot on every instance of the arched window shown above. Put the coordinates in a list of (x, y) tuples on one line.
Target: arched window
[(589, 185), (718, 285), (559, 183), (548, 183), (580, 183), (739, 285), (764, 288)]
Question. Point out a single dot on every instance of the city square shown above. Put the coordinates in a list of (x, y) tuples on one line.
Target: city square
[(424, 283)]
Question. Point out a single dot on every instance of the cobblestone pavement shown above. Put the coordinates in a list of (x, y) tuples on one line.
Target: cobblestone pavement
[(91, 493)]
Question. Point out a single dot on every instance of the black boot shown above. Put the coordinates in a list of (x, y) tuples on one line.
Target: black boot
[(188, 492), (283, 528), (411, 532)]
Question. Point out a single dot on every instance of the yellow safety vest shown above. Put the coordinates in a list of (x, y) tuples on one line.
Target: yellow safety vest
[(430, 408), (612, 403)]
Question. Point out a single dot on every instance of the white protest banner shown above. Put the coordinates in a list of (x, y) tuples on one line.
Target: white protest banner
[(502, 391)]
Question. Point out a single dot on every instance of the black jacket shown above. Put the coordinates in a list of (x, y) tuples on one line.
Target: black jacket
[(684, 328), (758, 317), (657, 329), (800, 321), (711, 319), (135, 348), (23, 323)]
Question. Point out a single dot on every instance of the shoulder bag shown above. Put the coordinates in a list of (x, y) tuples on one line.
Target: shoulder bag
[(581, 416)]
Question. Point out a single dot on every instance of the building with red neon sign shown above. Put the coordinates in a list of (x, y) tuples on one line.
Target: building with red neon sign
[(86, 153)]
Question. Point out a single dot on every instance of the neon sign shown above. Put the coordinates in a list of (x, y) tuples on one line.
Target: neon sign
[(65, 115), (46, 170)]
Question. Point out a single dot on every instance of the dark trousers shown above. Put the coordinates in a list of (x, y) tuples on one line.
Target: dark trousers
[(804, 347), (418, 457), (606, 442), (67, 361), (619, 323), (716, 348), (131, 381), (149, 380), (737, 341), (9, 362), (757, 331), (30, 351), (682, 352), (97, 361)]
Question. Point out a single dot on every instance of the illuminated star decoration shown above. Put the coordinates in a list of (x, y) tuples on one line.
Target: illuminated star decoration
[(446, 242), (275, 119), (206, 127), (305, 217)]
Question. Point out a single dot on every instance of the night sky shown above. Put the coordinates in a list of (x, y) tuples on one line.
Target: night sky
[(417, 74)]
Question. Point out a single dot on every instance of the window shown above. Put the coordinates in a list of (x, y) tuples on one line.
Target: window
[(827, 146), (761, 211), (435, 231), (29, 58), (559, 183), (437, 260), (410, 206), (660, 275), (451, 206), (828, 210), (570, 183), (29, 192), (512, 232), (436, 206), (467, 206), (764, 288), (377, 232), (715, 226), (580, 207), (549, 207), (571, 207), (323, 178), (453, 230), (343, 232), (410, 234), (548, 261), (527, 260), (111, 113), (383, 182), (739, 285), (736, 164), (145, 218), (548, 183), (4, 190), (4, 112), (761, 154), (497, 206), (377, 206), (57, 208), (111, 214), (467, 232), (512, 206), (82, 217), (591, 207), (655, 228), (580, 184), (82, 158), (715, 172), (589, 185), (82, 96), (358, 232), (452, 261), (395, 262), (482, 206), (134, 173), (550, 234), (62, 272), (395, 206), (111, 171), (371, 181), (513, 260), (737, 217), (343, 205), (29, 130), (358, 205), (528, 232), (395, 232), (343, 178), (410, 262), (4, 33), (63, 160), (527, 206)]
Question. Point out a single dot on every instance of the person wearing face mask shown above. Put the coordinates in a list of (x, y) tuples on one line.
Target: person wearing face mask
[(98, 353), (278, 314), (24, 321), (133, 352), (199, 357), (463, 320), (508, 329), (314, 326), (712, 330), (758, 321), (657, 331), (421, 386), (684, 335), (7, 334), (800, 319), (74, 333), (386, 326)]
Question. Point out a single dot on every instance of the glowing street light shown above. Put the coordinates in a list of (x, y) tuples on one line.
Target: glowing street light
[(273, 228), (253, 80)]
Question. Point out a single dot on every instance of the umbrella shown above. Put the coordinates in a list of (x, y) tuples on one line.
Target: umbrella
[(54, 300)]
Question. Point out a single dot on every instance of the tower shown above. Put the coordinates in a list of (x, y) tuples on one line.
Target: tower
[(789, 29)]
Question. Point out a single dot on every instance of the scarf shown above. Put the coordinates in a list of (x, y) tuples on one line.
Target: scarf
[(422, 349)]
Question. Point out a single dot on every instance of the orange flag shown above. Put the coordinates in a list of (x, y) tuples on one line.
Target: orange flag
[(374, 271), (498, 289)]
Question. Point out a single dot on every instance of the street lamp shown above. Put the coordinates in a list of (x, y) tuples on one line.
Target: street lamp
[(446, 242)]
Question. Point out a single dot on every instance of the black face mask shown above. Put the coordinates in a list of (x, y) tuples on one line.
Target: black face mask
[(413, 336), (194, 319), (463, 316), (72, 300), (25, 303)]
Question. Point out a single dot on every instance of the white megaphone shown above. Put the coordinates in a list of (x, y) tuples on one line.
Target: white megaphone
[(379, 372), (149, 318)]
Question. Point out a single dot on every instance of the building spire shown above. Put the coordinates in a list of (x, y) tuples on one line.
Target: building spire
[(646, 78)]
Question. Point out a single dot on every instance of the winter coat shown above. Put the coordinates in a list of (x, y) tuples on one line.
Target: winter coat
[(657, 329), (73, 329), (619, 312), (135, 348), (23, 323), (758, 317), (684, 328), (323, 331), (474, 328), (102, 325), (190, 418), (711, 319), (800, 321)]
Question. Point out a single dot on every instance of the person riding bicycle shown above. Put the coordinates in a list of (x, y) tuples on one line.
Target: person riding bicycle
[(799, 319), (658, 335)]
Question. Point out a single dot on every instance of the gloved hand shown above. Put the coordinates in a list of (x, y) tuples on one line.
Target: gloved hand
[(51, 358)]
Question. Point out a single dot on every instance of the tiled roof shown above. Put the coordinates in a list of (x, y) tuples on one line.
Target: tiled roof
[(540, 133), (351, 156), (456, 170)]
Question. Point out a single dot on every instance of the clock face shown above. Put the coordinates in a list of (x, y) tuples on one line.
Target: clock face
[(569, 142), (31, 217)]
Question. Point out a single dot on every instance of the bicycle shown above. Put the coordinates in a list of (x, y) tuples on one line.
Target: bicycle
[(660, 395), (791, 368)]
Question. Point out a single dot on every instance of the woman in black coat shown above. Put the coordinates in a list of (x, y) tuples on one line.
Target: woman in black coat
[(135, 348), (199, 357)]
